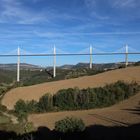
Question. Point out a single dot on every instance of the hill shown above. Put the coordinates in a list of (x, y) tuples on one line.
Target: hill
[(35, 92), (8, 72), (7, 76), (123, 114), (23, 66), (100, 66), (33, 74)]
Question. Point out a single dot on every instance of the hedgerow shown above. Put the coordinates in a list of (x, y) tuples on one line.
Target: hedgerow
[(75, 99)]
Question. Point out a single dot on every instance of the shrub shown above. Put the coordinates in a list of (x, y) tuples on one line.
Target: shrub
[(1, 91), (70, 124), (66, 98), (31, 106), (3, 108), (22, 108), (93, 100), (45, 103), (5, 87), (86, 99)]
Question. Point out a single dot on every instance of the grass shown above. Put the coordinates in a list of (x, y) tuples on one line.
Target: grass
[(20, 128), (4, 119)]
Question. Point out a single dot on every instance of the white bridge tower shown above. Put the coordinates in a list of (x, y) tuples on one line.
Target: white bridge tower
[(90, 57), (54, 62), (18, 65), (126, 55)]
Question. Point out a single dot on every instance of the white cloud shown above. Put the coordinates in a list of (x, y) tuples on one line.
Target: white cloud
[(120, 10), (13, 11), (90, 3), (92, 7), (98, 16), (58, 34), (124, 3)]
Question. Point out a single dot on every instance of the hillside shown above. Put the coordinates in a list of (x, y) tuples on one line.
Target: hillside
[(123, 114), (35, 92), (7, 76), (98, 66), (26, 66), (8, 73), (23, 66), (33, 74)]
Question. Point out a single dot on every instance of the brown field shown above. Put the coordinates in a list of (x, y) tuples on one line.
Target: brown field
[(36, 91), (123, 114)]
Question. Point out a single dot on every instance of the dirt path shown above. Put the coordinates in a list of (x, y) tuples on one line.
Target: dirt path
[(122, 114), (35, 92)]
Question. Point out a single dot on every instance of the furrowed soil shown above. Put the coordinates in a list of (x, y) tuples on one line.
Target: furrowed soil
[(123, 114)]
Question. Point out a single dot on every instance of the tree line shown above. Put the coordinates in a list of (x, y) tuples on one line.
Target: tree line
[(78, 99)]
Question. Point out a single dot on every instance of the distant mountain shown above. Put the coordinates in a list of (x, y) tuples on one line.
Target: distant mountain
[(137, 63), (81, 65), (23, 66), (66, 66), (96, 66), (101, 66)]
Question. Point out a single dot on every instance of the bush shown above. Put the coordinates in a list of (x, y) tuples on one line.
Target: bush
[(45, 103), (3, 108), (85, 99), (5, 88), (22, 108), (70, 124), (66, 99), (32, 106)]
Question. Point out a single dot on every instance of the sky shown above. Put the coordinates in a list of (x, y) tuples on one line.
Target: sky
[(71, 25)]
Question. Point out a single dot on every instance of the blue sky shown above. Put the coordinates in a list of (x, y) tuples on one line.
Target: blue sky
[(72, 25)]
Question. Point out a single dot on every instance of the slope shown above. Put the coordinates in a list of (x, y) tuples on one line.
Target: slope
[(35, 92), (123, 114)]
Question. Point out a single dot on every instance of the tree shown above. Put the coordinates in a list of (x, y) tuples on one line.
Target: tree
[(70, 124), (45, 103)]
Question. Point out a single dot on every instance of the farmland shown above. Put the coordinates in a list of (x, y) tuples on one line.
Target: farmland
[(36, 91), (123, 114)]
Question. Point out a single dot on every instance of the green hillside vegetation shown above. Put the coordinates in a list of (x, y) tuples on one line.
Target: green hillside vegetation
[(7, 76), (5, 87), (29, 77), (62, 74), (137, 63), (7, 125)]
